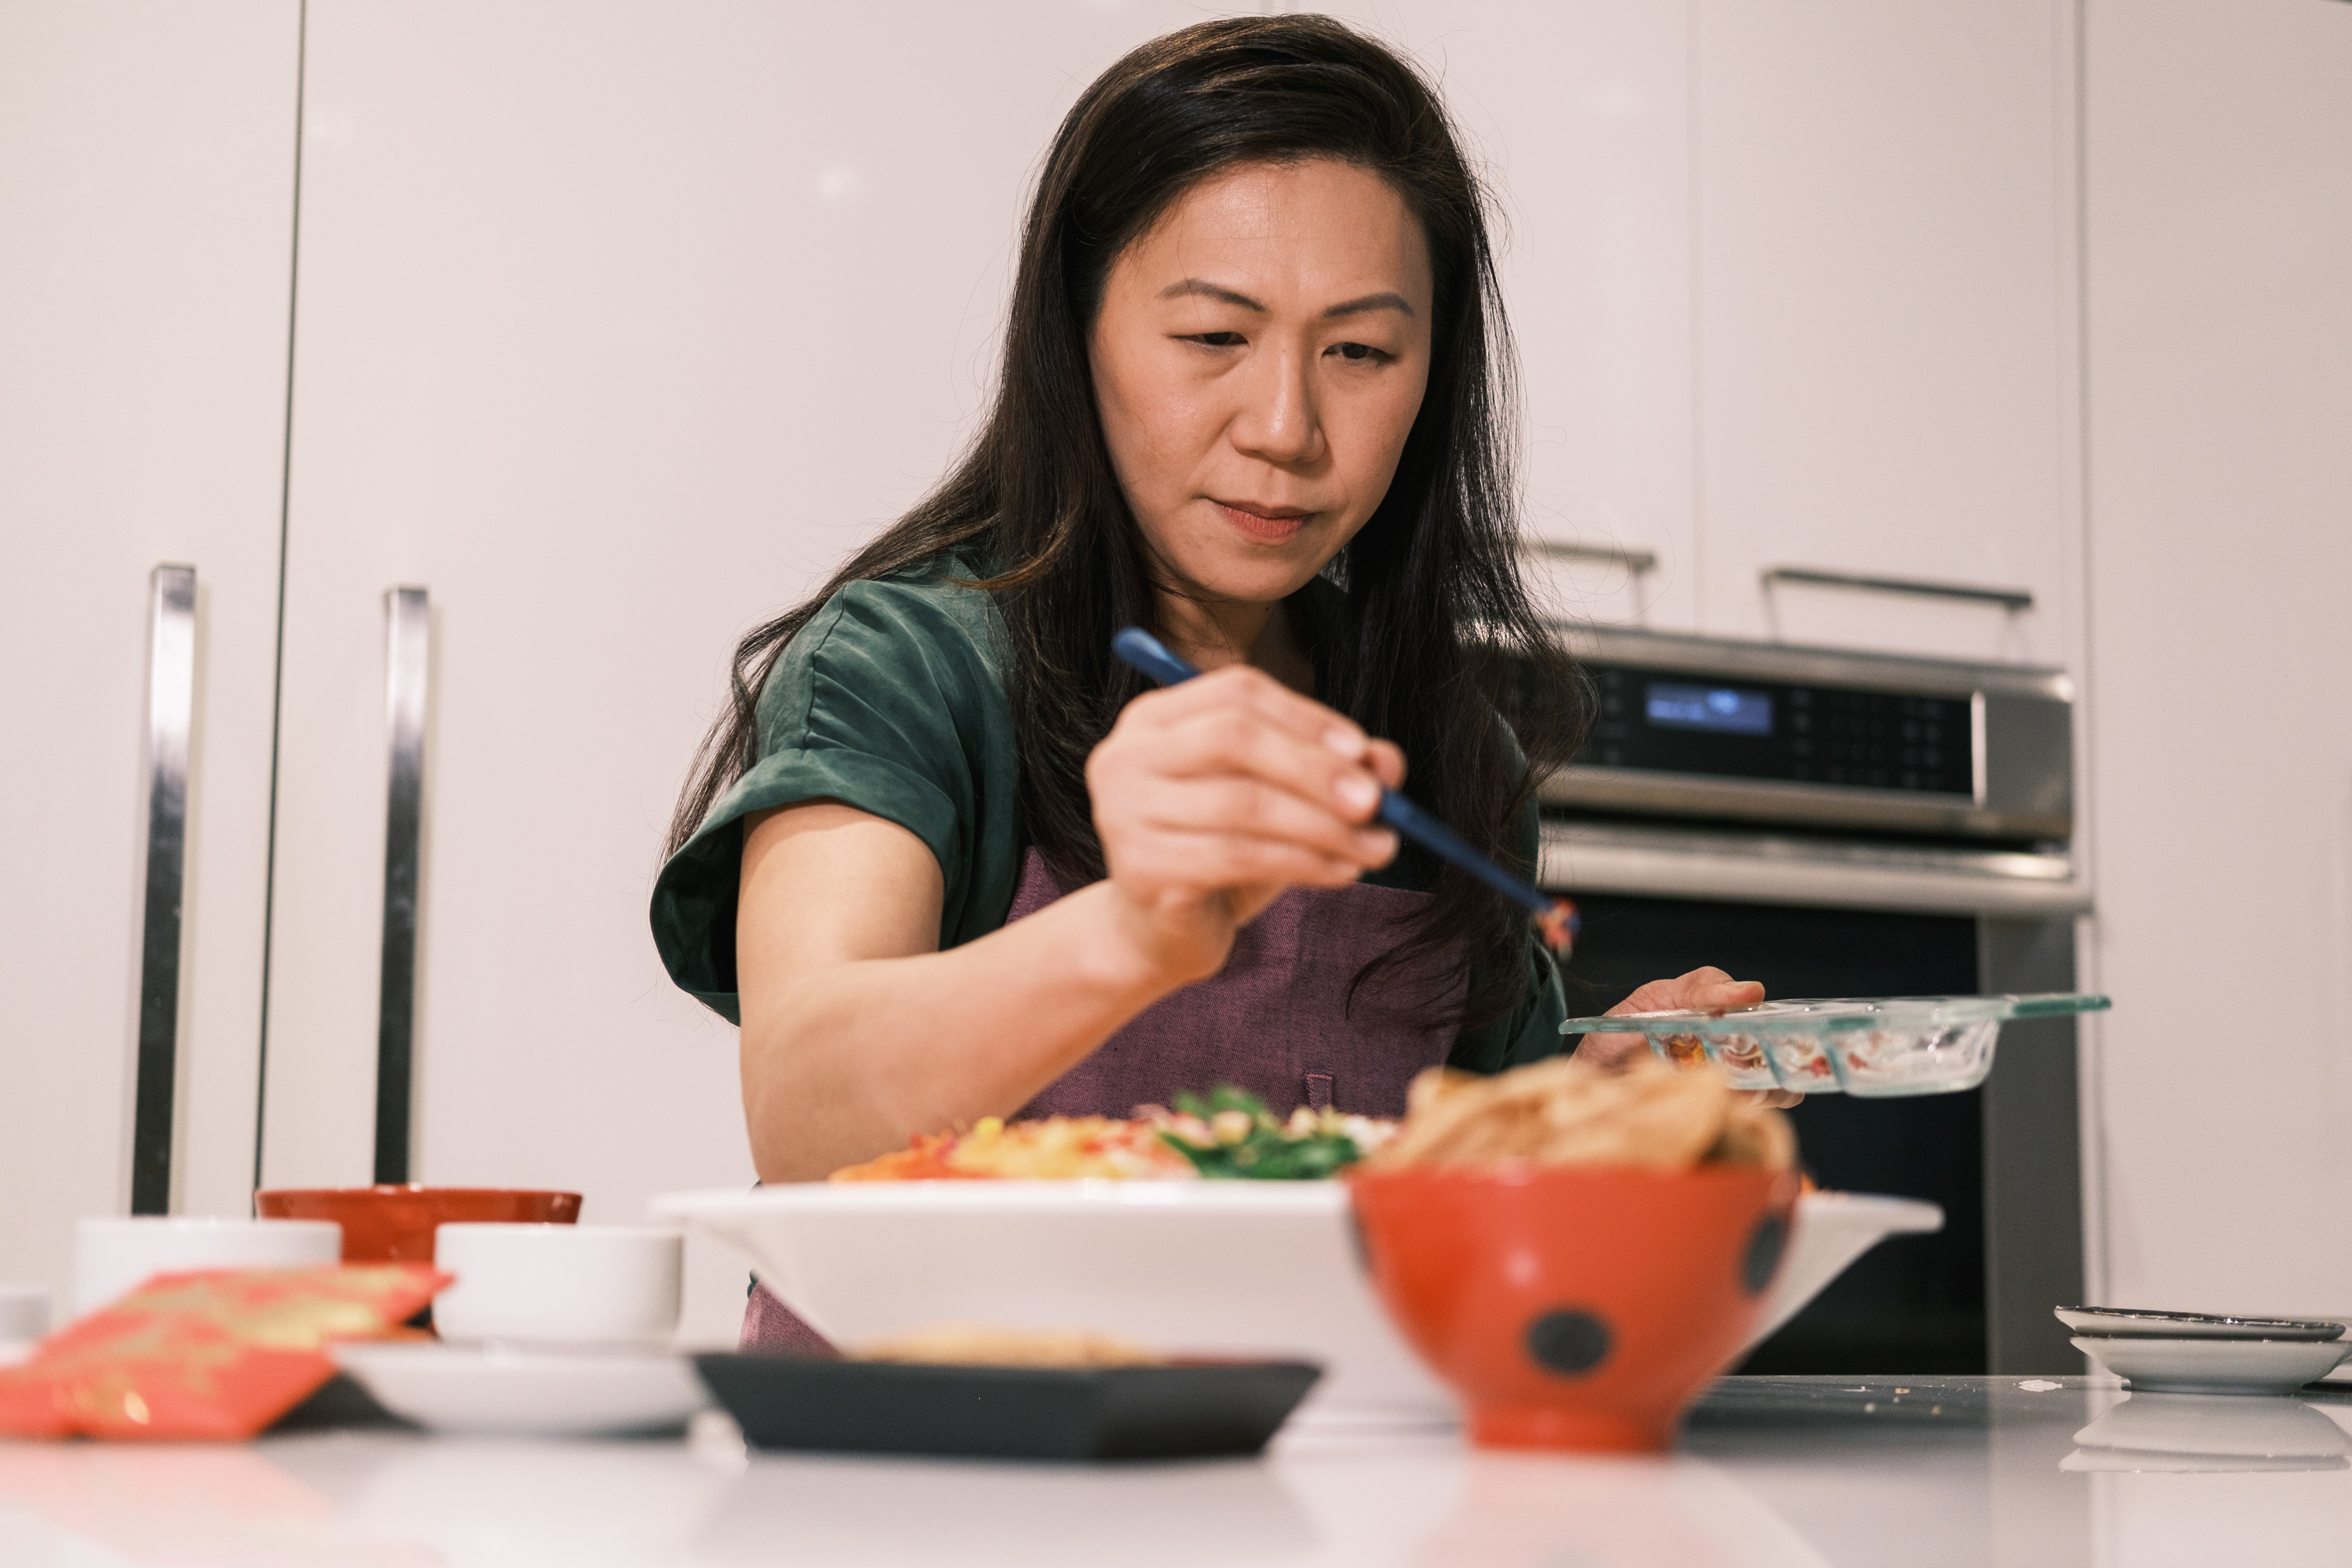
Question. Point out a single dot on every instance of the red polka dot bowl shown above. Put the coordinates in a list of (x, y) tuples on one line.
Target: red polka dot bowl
[(1574, 1307)]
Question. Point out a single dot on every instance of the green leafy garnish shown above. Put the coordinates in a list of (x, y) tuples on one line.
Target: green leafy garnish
[(1238, 1139)]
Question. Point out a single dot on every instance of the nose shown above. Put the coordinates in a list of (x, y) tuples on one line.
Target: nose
[(1278, 421)]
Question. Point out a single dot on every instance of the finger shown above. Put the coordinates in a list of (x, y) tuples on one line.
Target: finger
[(1712, 982), (1657, 997), (1701, 989), (1231, 740), (1241, 685), (1211, 862), (1386, 760), (1726, 995), (1238, 803)]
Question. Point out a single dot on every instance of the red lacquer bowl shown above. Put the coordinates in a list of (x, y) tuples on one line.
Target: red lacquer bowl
[(1574, 1307), (396, 1224)]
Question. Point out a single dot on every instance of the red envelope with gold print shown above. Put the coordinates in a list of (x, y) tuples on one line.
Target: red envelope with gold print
[(214, 1353)]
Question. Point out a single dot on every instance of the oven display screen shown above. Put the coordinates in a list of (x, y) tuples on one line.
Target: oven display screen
[(1720, 708)]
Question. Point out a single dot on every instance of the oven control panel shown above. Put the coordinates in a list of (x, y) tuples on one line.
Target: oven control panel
[(1801, 733), (1826, 739)]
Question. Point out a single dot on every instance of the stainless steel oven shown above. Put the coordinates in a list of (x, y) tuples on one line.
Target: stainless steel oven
[(1834, 823)]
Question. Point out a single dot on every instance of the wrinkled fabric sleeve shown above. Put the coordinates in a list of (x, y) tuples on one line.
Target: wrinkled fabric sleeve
[(882, 702)]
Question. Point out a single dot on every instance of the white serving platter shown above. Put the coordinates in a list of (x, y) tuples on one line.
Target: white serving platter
[(1197, 1267), (518, 1392)]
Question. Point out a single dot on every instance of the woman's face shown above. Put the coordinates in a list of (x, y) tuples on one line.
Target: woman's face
[(1258, 360)]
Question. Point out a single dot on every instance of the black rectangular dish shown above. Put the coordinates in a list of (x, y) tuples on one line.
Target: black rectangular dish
[(1189, 1410)]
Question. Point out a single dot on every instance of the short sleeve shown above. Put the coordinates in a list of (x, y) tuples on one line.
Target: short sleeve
[(889, 701)]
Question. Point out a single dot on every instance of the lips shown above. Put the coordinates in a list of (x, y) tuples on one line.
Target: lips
[(1265, 524)]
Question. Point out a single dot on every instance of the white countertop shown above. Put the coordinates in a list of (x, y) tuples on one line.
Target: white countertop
[(1772, 1473)]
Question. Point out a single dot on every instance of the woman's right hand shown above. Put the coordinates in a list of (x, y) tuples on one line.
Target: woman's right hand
[(1211, 797)]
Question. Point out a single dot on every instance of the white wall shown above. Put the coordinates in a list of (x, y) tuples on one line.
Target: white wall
[(146, 216), (2218, 169)]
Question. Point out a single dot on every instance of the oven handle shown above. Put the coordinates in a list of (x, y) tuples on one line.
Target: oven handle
[(1766, 869), (2011, 599)]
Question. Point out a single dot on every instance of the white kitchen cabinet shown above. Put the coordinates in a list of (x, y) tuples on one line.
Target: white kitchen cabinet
[(146, 224), (2220, 357), (1794, 285), (1580, 114), (620, 323), (1886, 319)]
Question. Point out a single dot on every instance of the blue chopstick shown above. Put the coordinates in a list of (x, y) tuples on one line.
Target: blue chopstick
[(1145, 652)]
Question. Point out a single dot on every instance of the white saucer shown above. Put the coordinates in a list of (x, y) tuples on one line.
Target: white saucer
[(2214, 1366), (2108, 1322), (515, 1391)]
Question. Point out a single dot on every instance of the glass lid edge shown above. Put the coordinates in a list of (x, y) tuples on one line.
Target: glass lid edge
[(1846, 1014)]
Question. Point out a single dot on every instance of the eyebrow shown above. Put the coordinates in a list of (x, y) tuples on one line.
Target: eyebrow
[(1370, 302), (1200, 288)]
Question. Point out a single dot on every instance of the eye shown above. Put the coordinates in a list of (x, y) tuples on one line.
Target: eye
[(1357, 354), (1216, 340)]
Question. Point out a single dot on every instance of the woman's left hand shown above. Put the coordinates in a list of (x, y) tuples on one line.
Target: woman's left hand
[(1700, 991)]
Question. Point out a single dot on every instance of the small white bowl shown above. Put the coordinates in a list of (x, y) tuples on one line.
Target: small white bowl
[(507, 1390), (113, 1257), (2213, 1366), (558, 1284)]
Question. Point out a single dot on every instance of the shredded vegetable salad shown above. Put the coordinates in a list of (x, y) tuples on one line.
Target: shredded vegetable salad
[(1225, 1135)]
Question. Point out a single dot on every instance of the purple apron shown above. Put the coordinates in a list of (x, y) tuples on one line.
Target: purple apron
[(1276, 1021)]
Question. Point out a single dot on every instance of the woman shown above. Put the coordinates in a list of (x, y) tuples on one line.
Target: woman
[(946, 859)]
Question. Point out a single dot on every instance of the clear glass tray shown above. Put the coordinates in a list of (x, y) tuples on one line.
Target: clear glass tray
[(1876, 1045)]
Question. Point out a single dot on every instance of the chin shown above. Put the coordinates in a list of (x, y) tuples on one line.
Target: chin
[(1223, 566), (1250, 582)]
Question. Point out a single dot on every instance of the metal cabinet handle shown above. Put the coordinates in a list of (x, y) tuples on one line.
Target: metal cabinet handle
[(171, 710), (407, 649), (1635, 560), (2011, 599)]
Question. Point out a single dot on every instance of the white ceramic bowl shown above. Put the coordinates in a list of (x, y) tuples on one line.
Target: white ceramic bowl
[(536, 1393), (113, 1257), (1239, 1267), (558, 1284)]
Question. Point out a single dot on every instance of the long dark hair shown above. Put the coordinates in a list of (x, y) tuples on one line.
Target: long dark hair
[(1435, 621)]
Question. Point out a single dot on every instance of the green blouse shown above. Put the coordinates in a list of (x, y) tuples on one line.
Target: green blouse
[(892, 701)]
